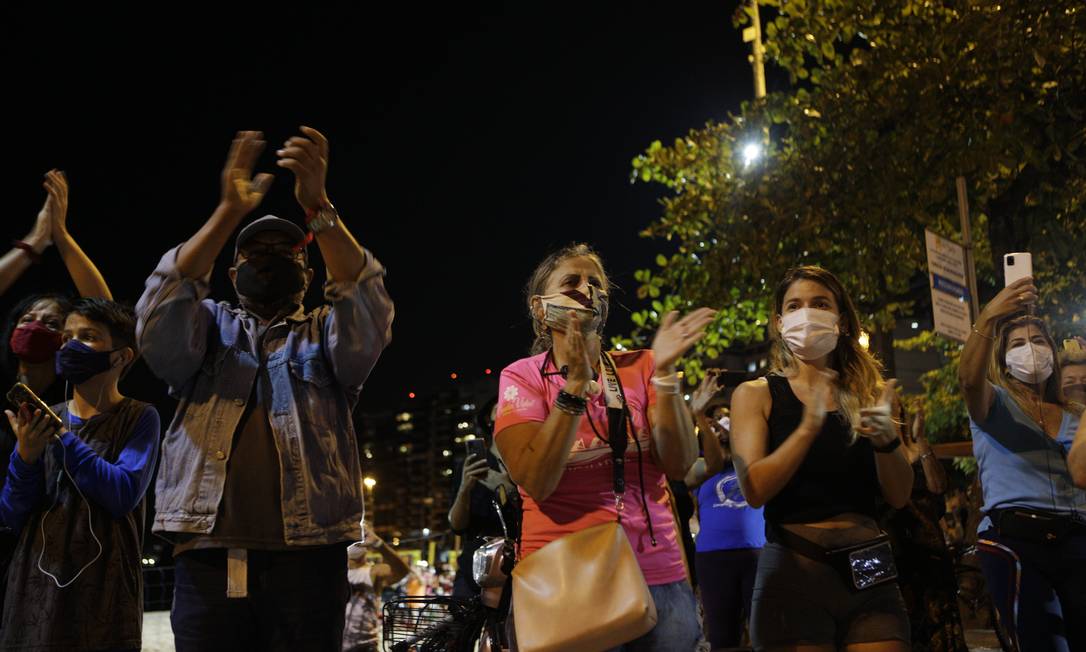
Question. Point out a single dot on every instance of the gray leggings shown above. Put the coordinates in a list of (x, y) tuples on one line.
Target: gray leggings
[(799, 600)]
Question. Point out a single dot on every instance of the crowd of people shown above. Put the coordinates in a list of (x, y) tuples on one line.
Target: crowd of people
[(817, 495)]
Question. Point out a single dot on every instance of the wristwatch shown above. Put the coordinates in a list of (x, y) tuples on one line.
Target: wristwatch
[(321, 219)]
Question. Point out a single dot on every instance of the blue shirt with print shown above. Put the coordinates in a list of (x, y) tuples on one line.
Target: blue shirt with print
[(727, 521)]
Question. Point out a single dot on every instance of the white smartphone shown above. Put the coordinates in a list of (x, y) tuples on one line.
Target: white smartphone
[(1015, 266)]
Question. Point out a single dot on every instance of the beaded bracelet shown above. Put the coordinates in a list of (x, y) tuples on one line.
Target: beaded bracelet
[(570, 404)]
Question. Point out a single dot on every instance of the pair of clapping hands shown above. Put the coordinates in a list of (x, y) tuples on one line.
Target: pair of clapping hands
[(876, 422)]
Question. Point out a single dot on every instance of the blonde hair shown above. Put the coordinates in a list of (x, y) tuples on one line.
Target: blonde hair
[(1051, 392), (1072, 356), (859, 375)]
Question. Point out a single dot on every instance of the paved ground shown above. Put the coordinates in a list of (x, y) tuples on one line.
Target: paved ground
[(982, 640), (157, 636)]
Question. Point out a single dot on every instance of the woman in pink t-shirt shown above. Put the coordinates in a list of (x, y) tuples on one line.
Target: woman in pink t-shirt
[(552, 424)]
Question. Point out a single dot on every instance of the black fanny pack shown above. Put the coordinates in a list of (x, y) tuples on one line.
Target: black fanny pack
[(1033, 525), (862, 565)]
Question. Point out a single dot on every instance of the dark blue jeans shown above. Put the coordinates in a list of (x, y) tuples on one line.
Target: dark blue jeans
[(676, 628), (296, 601), (1039, 589)]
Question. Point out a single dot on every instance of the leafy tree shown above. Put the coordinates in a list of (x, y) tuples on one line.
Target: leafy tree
[(889, 102)]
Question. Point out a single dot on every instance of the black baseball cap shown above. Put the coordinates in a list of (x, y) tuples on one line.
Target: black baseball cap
[(271, 223)]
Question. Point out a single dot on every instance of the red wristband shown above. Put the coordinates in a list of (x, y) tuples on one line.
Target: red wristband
[(35, 257)]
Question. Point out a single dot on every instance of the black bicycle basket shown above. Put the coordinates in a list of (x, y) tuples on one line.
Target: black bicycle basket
[(436, 623)]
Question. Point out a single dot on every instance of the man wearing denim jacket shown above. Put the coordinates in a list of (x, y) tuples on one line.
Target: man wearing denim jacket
[(260, 480)]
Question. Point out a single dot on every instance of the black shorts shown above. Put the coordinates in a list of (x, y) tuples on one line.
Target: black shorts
[(799, 600)]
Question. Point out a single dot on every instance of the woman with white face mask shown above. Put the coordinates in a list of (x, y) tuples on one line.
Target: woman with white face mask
[(559, 435), (815, 443), (1032, 541)]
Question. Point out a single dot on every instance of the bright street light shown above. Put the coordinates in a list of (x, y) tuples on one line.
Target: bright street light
[(369, 482), (751, 153), (864, 340)]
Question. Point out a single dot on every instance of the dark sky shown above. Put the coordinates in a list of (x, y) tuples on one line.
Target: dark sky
[(466, 142)]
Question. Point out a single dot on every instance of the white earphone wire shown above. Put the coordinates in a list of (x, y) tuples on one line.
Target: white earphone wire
[(90, 513)]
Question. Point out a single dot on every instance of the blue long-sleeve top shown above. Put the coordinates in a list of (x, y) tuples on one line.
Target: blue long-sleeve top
[(116, 486)]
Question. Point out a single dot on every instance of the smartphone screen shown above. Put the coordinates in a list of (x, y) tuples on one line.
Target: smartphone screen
[(20, 394), (476, 447), (1016, 266)]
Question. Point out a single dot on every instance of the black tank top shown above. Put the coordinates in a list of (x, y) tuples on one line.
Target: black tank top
[(834, 478)]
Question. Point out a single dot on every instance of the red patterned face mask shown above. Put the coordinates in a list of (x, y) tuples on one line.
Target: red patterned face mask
[(34, 342)]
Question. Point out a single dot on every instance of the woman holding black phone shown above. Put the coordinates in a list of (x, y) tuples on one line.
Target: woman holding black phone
[(487, 503), (1032, 541)]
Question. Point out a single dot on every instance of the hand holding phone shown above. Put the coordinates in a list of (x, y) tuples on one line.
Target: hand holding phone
[(476, 447), (476, 464), (20, 395), (1016, 266), (34, 426)]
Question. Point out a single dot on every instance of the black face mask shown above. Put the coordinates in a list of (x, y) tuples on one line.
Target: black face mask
[(270, 280)]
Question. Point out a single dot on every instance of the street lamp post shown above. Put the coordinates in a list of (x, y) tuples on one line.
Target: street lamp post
[(753, 35)]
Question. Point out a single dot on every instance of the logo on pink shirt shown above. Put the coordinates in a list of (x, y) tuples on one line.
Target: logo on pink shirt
[(514, 402)]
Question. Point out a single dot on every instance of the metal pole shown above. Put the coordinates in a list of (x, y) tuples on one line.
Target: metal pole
[(967, 244), (757, 57)]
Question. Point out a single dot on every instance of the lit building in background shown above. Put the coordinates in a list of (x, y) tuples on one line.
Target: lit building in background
[(411, 453)]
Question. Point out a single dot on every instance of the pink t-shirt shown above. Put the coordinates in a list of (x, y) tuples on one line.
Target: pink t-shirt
[(584, 496)]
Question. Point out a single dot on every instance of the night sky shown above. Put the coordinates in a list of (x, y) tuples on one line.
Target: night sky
[(466, 143)]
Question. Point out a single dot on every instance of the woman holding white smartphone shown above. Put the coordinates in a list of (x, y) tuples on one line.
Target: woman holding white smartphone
[(1032, 541)]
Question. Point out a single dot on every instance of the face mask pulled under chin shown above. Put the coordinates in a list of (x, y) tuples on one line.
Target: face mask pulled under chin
[(589, 302), (1030, 363), (810, 333), (270, 281)]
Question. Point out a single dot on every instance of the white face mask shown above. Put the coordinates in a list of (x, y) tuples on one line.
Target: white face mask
[(810, 333), (1030, 363), (588, 301)]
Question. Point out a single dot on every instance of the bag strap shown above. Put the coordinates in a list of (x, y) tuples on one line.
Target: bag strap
[(796, 543), (616, 425), (812, 550), (619, 423)]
